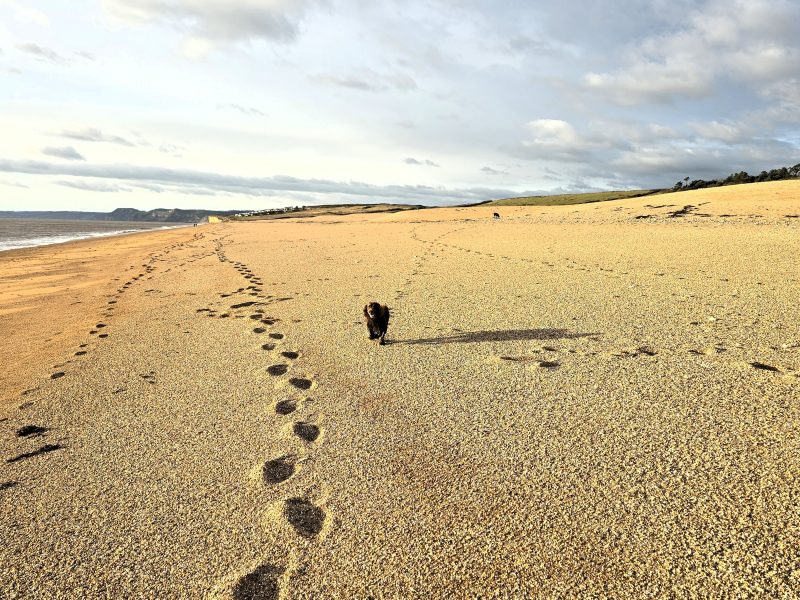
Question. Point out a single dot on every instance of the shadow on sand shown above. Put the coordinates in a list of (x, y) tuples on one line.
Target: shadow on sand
[(503, 335)]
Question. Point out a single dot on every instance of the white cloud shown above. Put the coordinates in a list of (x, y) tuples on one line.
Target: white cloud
[(207, 24), (26, 14), (747, 41), (723, 132)]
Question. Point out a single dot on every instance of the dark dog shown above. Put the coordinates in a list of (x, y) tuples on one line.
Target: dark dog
[(496, 216), (377, 320)]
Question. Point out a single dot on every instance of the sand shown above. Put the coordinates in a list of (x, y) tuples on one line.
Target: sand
[(572, 402)]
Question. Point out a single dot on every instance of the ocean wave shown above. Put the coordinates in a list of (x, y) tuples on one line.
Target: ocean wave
[(47, 240)]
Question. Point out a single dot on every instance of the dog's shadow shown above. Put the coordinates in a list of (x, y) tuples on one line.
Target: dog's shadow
[(502, 335)]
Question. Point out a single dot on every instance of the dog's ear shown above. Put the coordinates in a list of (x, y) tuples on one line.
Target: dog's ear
[(366, 311)]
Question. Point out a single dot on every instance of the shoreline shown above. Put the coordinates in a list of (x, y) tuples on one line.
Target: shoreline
[(87, 236)]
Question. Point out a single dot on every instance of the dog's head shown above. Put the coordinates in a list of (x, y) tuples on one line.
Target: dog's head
[(372, 310)]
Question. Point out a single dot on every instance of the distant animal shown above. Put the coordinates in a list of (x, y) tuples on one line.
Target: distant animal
[(496, 216), (377, 315)]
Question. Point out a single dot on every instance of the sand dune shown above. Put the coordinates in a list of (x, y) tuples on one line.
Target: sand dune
[(576, 401)]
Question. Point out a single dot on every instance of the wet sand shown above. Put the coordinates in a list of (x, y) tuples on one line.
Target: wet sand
[(580, 401)]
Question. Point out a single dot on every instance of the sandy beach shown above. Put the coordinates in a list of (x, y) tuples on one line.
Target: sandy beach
[(599, 400)]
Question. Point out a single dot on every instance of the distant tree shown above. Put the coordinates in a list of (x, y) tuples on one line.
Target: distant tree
[(778, 174)]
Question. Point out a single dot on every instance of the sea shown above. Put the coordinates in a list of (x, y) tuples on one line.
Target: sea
[(25, 233)]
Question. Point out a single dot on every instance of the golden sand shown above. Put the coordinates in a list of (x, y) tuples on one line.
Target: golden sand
[(582, 401)]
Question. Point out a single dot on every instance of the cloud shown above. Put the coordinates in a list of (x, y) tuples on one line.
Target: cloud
[(42, 53), (13, 184), (491, 171), (94, 186), (26, 14), (67, 153), (246, 110), (369, 81), (424, 162), (208, 24), (652, 82), (555, 139), (172, 149), (750, 42), (728, 133), (203, 182), (91, 134)]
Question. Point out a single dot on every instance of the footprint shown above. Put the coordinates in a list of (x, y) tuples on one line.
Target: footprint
[(549, 364), (262, 583), (301, 383), (276, 336), (306, 518), (290, 354), (286, 407), (242, 304), (308, 432), (43, 450), (278, 470), (277, 370), (80, 353), (259, 330), (29, 430), (764, 367), (57, 375), (268, 346)]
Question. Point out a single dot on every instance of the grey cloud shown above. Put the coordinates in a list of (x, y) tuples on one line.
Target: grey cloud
[(203, 182), (94, 186), (43, 53), (91, 134), (491, 171), (650, 155), (539, 46), (424, 162), (13, 184), (369, 81), (67, 153), (172, 149), (246, 110)]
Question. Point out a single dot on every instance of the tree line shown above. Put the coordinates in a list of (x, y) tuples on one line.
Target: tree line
[(740, 177)]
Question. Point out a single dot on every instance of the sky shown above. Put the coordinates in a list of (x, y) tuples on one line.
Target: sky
[(256, 104)]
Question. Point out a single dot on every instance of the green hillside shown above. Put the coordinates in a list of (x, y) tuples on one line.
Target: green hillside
[(564, 199)]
